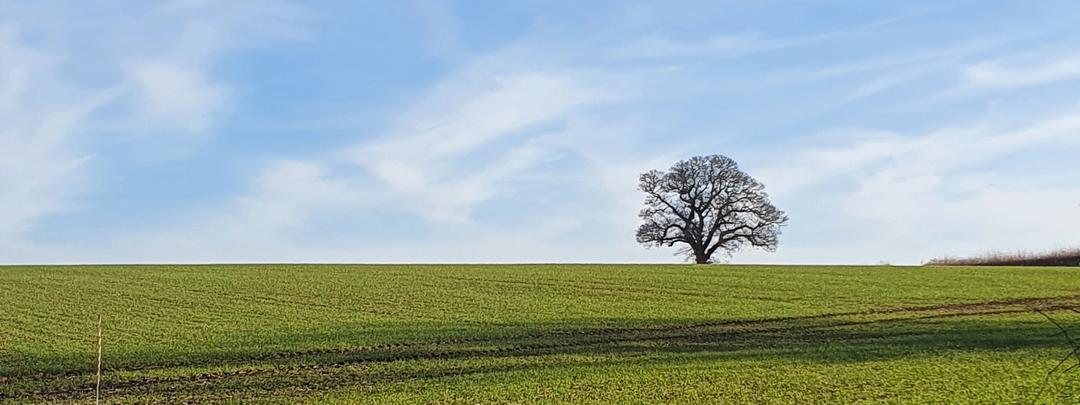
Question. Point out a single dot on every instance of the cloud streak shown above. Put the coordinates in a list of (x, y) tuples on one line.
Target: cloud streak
[(53, 106), (1018, 73), (40, 168), (422, 161), (518, 143), (896, 197)]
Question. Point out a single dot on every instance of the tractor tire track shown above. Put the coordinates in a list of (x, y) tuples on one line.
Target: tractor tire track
[(395, 352)]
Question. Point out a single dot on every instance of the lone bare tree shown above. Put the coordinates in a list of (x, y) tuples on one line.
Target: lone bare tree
[(708, 204)]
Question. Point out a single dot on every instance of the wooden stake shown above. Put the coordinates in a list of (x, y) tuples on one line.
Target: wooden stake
[(97, 394)]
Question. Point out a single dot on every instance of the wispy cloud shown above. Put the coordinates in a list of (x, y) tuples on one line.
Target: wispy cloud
[(173, 90), (718, 46), (897, 196), (429, 161), (1028, 71), (478, 134), (735, 45), (40, 167), (50, 117), (262, 223), (935, 151), (519, 143), (174, 96)]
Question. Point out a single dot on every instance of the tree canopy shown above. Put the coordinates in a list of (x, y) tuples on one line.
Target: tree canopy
[(706, 204)]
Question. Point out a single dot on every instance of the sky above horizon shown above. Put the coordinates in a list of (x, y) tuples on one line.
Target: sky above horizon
[(514, 131)]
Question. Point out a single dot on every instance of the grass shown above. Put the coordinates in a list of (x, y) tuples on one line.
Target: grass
[(538, 333), (1060, 257)]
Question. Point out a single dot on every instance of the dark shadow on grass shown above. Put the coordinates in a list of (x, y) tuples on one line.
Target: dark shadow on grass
[(830, 338)]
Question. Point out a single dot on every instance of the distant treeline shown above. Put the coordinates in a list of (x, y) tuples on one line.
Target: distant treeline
[(1062, 257)]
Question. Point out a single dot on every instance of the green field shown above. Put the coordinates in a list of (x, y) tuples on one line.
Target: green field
[(538, 333)]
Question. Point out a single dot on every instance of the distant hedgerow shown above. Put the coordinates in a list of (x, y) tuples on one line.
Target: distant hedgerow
[(1061, 257)]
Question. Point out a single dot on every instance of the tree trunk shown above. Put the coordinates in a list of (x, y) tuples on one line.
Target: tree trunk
[(701, 257)]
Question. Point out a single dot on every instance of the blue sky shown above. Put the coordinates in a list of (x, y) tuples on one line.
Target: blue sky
[(502, 131)]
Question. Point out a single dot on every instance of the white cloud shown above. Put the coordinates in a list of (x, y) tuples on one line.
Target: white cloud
[(171, 89), (940, 150), (174, 96), (262, 224), (59, 89), (39, 167), (269, 222), (428, 160), (907, 198), (288, 192), (285, 195), (1025, 71), (477, 135), (238, 23), (718, 46), (734, 45), (519, 118)]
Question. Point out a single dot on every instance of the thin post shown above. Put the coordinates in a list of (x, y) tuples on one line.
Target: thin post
[(97, 392)]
